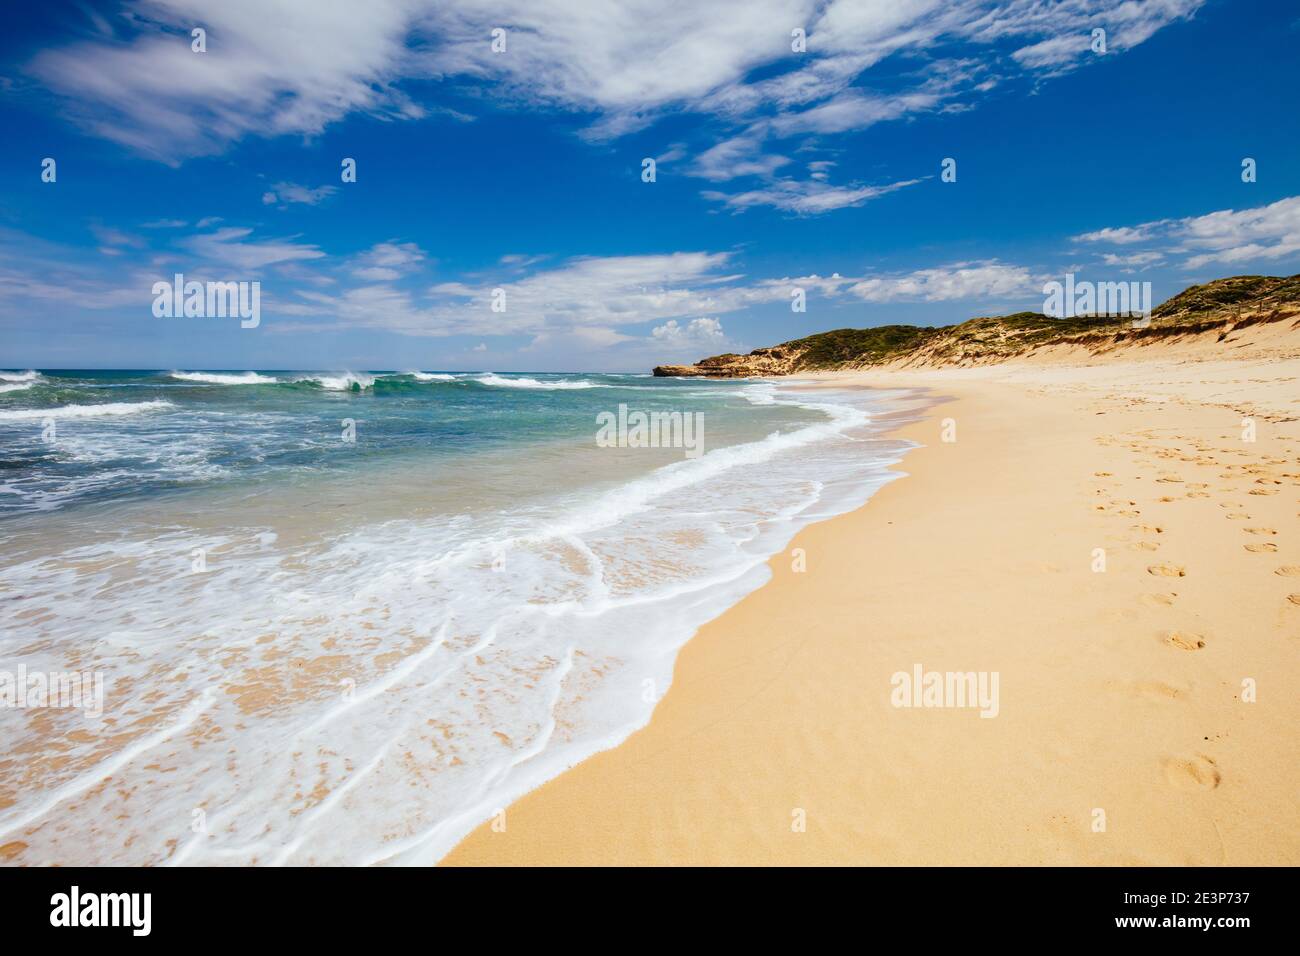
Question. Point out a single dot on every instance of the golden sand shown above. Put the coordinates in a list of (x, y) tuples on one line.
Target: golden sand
[(1147, 712)]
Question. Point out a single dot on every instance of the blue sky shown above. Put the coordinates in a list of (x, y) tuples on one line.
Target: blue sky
[(521, 170)]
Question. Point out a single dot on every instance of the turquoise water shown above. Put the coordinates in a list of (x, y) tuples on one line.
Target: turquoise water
[(353, 652), (123, 434)]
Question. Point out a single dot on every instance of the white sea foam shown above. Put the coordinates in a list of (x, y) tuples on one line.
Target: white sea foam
[(339, 381), (431, 376), (422, 672), (82, 411), (18, 381), (224, 378), (500, 381)]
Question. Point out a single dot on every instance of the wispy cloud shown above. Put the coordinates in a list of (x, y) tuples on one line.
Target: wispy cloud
[(270, 68), (961, 280), (1266, 232), (275, 67), (230, 246), (114, 242), (1133, 260), (283, 194), (735, 157), (1261, 233), (589, 299), (1121, 236), (388, 261), (587, 291), (805, 197)]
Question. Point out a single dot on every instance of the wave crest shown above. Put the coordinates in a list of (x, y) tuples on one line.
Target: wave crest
[(498, 381), (340, 381), (224, 378), (82, 411)]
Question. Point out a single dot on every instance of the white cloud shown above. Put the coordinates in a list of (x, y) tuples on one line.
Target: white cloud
[(961, 280), (1228, 236), (395, 254), (377, 274), (583, 301), (33, 269), (1123, 236), (108, 236), (675, 152), (820, 169), (1133, 259), (734, 157), (854, 110), (286, 193), (75, 290), (805, 197), (1055, 51), (270, 67), (587, 301), (227, 247), (587, 291), (630, 61), (387, 261), (1261, 233), (277, 67), (695, 332)]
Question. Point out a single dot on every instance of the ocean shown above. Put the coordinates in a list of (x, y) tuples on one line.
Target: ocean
[(343, 618)]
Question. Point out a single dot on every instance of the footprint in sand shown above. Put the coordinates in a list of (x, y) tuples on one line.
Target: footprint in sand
[(1195, 773), (1156, 689), (1264, 491), (1261, 546), (1159, 600), (1239, 517), (1294, 598), (1167, 571), (1144, 545), (1183, 640), (1289, 571), (1259, 531)]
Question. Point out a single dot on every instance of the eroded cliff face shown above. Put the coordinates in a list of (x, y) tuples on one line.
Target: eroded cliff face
[(779, 360), (1214, 308)]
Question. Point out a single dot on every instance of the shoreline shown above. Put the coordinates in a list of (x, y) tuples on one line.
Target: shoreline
[(1120, 737)]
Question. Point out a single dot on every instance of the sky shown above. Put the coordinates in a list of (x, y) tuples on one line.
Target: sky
[(778, 165)]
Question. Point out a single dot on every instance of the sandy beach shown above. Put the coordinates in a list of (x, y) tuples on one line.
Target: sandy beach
[(1105, 537)]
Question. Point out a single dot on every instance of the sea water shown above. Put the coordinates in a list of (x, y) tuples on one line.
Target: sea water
[(343, 618)]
